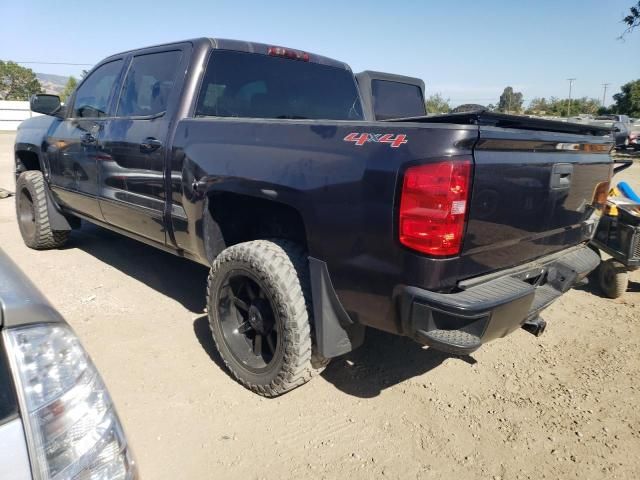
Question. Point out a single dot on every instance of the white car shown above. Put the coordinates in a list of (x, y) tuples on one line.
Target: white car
[(57, 420)]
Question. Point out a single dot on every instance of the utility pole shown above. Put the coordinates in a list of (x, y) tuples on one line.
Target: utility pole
[(571, 80), (604, 93)]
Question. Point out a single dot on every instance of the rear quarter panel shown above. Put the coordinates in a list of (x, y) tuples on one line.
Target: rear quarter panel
[(346, 194)]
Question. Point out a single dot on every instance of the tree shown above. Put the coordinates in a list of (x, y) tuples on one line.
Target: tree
[(16, 82), (510, 101), (437, 104), (559, 106), (71, 85), (538, 106), (632, 20), (627, 102), (586, 105)]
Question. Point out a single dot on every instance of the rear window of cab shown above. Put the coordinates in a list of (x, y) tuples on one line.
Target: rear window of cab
[(239, 84)]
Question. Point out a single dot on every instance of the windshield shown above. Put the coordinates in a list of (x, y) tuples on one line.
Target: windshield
[(238, 84)]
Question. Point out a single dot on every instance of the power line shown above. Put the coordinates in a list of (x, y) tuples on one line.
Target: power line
[(58, 63)]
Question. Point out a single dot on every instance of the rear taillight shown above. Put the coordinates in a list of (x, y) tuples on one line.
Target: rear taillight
[(433, 206)]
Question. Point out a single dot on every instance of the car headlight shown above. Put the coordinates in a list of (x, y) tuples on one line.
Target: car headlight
[(73, 430)]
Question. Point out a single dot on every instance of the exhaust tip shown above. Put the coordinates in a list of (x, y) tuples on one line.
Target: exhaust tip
[(535, 326)]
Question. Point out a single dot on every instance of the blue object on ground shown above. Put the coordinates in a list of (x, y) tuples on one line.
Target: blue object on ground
[(628, 192)]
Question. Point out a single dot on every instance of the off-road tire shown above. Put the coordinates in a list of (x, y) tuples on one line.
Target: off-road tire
[(613, 278), (282, 268), (31, 195)]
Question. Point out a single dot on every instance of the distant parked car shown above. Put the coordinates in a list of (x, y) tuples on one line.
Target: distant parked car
[(619, 125), (634, 137), (613, 118), (621, 132), (57, 420)]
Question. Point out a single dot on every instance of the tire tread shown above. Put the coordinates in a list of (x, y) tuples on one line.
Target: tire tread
[(284, 264), (45, 237)]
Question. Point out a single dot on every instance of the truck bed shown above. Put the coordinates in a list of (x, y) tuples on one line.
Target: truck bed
[(501, 120)]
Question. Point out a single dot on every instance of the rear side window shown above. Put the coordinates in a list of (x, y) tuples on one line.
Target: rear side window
[(238, 84), (148, 84), (92, 98), (396, 100)]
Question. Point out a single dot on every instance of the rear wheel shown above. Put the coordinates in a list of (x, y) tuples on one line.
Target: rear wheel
[(613, 278), (259, 317), (33, 215)]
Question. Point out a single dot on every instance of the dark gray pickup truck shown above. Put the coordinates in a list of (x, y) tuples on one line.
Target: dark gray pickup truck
[(323, 204)]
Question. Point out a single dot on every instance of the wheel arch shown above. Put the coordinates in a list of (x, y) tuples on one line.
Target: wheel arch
[(230, 218), (26, 159)]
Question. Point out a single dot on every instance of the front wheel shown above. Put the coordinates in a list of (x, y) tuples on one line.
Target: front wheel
[(33, 214), (259, 317), (613, 278)]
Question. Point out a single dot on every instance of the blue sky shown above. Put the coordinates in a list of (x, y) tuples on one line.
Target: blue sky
[(466, 50)]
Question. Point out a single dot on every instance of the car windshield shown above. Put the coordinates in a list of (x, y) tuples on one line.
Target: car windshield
[(238, 84)]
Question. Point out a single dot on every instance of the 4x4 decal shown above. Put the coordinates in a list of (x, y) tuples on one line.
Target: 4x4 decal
[(361, 138)]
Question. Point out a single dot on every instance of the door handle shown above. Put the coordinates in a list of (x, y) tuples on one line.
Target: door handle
[(88, 139), (150, 144)]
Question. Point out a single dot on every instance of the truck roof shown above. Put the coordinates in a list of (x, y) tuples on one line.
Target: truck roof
[(239, 46)]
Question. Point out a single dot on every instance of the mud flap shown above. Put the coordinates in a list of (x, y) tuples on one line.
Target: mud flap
[(336, 333), (57, 220)]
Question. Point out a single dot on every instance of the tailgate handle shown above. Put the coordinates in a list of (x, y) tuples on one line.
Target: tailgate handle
[(561, 176)]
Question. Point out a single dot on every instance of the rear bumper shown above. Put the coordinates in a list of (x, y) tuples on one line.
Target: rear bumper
[(491, 306)]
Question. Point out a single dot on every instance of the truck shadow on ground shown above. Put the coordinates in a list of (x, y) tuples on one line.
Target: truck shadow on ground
[(383, 361), (633, 287), (178, 278)]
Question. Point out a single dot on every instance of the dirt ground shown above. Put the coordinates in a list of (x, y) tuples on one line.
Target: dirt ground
[(564, 405)]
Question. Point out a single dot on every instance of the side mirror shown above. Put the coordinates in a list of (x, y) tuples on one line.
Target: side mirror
[(616, 129), (44, 103)]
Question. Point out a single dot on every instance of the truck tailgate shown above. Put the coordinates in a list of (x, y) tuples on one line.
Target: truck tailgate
[(532, 192), (533, 186)]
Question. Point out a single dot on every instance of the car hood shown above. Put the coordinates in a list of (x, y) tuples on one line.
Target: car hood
[(21, 303)]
